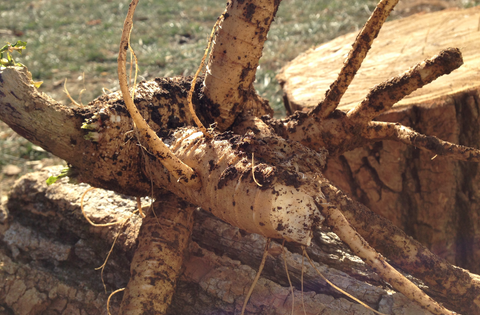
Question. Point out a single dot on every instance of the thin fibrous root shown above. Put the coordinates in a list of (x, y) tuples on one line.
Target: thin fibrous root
[(175, 166), (110, 296), (194, 80), (382, 97), (133, 56), (259, 272), (337, 222), (360, 48), (377, 131), (85, 215), (334, 286), (253, 171), (102, 267), (301, 283), (284, 251), (139, 207), (69, 96), (122, 224)]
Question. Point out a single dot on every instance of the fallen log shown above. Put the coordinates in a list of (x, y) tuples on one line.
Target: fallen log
[(47, 239)]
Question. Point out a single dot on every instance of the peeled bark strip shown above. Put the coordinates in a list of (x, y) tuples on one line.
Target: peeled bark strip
[(234, 59), (158, 259)]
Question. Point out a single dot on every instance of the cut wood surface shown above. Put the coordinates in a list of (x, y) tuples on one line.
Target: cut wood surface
[(400, 45)]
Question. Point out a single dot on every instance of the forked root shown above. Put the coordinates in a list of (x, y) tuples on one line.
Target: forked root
[(182, 172), (337, 222)]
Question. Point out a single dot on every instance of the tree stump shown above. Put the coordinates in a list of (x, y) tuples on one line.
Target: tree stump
[(433, 199)]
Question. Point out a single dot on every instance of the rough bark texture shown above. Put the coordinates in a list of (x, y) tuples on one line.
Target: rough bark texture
[(49, 253), (434, 200)]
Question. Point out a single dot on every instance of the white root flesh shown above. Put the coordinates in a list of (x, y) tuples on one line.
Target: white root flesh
[(229, 76), (276, 209)]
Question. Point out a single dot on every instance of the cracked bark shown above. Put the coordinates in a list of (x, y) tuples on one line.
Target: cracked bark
[(57, 276), (434, 201)]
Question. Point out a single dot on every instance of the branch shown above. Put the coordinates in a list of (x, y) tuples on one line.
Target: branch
[(377, 131), (382, 97), (359, 51)]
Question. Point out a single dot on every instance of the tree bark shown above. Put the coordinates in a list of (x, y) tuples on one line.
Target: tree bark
[(46, 238)]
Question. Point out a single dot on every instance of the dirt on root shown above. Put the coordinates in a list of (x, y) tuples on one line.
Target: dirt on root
[(83, 88)]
